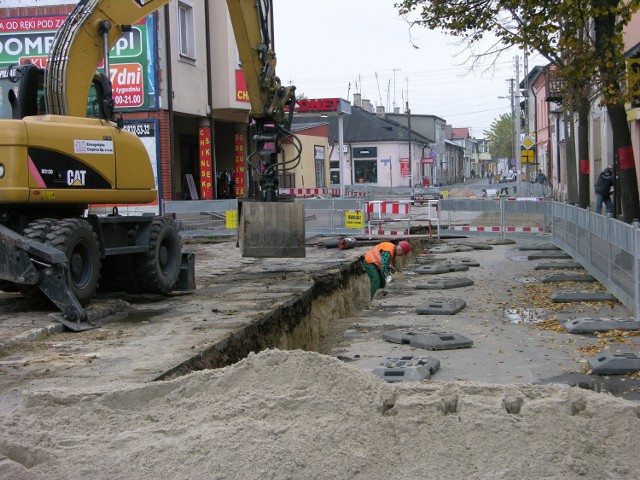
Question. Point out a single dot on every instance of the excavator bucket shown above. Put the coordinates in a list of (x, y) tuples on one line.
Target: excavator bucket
[(271, 229)]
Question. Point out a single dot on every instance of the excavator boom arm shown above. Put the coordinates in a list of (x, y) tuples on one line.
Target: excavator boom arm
[(79, 48)]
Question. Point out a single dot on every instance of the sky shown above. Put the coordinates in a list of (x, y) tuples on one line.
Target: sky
[(334, 48)]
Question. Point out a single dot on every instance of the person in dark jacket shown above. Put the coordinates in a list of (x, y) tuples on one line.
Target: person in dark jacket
[(603, 191), (541, 178)]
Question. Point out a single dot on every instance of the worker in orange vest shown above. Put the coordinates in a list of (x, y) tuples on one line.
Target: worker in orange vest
[(377, 262)]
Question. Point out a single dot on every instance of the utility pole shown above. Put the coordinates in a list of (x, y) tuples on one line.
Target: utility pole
[(518, 119)]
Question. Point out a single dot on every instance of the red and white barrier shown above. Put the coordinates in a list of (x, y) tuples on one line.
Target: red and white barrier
[(496, 229), (304, 192)]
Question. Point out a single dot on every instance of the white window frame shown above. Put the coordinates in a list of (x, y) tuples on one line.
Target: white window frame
[(186, 29)]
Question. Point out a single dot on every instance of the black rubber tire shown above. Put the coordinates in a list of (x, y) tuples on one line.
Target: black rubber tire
[(76, 238), (37, 231), (158, 269)]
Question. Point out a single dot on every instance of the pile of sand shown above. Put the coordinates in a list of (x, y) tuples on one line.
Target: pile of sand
[(303, 415)]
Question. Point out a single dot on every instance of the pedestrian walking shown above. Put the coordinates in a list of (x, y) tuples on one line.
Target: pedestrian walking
[(603, 191), (377, 262), (541, 178)]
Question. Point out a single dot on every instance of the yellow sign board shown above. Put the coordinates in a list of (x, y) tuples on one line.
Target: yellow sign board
[(231, 219), (528, 156), (353, 219)]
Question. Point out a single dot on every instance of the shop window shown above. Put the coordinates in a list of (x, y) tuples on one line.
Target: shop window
[(366, 171)]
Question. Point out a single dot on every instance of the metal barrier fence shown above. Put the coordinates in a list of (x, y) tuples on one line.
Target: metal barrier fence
[(513, 217), (607, 248), (204, 217)]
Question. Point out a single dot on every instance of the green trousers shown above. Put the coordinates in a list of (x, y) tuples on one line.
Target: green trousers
[(374, 276)]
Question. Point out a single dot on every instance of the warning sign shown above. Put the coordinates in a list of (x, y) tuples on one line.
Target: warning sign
[(353, 219)]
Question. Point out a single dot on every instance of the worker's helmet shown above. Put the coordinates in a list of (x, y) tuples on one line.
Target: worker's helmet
[(405, 246)]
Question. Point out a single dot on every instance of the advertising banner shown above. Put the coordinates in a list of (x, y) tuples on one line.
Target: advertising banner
[(132, 59), (240, 157), (206, 174)]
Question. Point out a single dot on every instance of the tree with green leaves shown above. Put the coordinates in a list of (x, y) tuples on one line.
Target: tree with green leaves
[(582, 39), (500, 136)]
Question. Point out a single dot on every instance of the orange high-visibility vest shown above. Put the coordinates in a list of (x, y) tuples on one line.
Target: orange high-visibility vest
[(374, 255)]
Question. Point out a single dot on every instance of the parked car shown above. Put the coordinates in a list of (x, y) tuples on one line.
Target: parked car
[(424, 194), (508, 177)]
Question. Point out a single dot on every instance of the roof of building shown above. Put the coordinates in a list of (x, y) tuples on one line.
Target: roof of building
[(460, 132), (361, 126)]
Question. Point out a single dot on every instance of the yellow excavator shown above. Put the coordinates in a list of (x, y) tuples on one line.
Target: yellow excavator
[(63, 149)]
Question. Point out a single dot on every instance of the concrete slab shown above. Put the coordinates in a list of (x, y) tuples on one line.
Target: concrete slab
[(583, 297), (441, 306), (595, 325), (567, 277), (615, 363), (559, 266), (538, 246), (548, 254), (443, 283)]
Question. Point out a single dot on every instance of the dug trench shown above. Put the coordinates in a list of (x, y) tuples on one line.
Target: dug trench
[(240, 306), (313, 321)]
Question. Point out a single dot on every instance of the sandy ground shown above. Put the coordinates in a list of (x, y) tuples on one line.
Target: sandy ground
[(293, 415)]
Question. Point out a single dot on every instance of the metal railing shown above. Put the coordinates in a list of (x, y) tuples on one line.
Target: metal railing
[(607, 248)]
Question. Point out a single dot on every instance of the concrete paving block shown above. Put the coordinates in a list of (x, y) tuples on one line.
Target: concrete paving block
[(476, 245), (567, 277), (595, 325), (447, 306), (444, 283), (434, 269), (549, 254), (559, 266), (501, 241), (469, 262), (407, 368), (441, 341), (404, 335), (442, 249), (565, 297), (462, 248), (615, 364), (538, 246)]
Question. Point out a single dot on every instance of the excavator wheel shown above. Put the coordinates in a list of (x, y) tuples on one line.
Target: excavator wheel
[(76, 238), (158, 269), (37, 231)]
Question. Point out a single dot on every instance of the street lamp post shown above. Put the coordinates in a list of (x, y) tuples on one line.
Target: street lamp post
[(341, 151)]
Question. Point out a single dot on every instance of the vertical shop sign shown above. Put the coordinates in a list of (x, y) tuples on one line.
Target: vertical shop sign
[(206, 175), (405, 167), (239, 173)]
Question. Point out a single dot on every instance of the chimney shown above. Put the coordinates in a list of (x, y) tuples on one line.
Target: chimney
[(357, 100), (366, 106), (396, 110), (380, 112)]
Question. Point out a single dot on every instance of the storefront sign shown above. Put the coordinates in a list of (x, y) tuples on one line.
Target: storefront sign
[(239, 161), (405, 167), (242, 93), (206, 173)]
